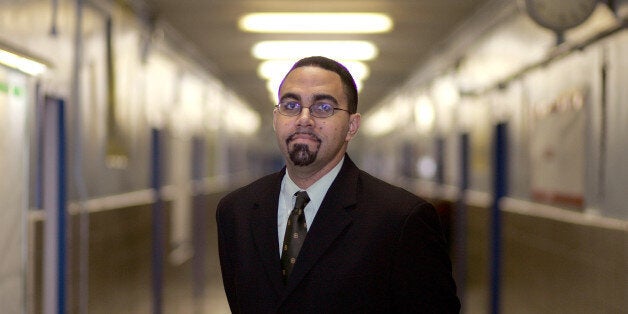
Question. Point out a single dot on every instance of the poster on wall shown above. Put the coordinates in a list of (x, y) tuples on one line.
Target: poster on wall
[(558, 151)]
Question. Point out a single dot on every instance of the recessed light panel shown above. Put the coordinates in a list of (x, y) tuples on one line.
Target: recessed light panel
[(21, 63), (334, 49), (327, 23)]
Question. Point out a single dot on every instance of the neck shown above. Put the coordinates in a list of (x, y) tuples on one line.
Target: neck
[(305, 176)]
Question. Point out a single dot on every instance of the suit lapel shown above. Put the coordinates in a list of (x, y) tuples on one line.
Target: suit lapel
[(332, 218), (264, 229)]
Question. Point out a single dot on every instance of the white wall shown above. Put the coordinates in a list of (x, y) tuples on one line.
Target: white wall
[(13, 188)]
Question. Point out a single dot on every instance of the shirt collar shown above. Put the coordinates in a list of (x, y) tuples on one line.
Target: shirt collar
[(319, 187)]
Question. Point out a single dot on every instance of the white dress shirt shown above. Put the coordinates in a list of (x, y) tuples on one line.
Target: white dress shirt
[(316, 192)]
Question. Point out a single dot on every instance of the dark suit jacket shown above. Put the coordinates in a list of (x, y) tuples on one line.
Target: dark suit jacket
[(372, 248)]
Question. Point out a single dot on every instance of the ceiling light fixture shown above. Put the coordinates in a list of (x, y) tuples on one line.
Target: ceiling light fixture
[(24, 64), (334, 49), (351, 23)]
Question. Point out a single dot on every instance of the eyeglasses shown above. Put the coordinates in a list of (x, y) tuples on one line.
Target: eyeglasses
[(318, 110)]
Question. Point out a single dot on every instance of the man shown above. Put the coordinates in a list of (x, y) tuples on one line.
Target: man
[(351, 243)]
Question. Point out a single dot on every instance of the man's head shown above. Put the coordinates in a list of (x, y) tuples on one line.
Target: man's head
[(348, 82), (315, 120)]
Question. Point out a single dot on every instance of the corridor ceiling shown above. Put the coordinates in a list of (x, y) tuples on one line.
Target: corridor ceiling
[(211, 27)]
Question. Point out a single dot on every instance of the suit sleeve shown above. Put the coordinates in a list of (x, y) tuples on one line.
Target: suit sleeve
[(421, 272), (226, 264)]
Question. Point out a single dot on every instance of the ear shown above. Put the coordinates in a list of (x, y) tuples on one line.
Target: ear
[(354, 125)]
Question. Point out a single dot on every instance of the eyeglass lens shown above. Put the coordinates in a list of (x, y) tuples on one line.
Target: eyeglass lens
[(319, 110)]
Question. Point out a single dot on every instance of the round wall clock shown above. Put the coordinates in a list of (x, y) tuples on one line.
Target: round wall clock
[(560, 15)]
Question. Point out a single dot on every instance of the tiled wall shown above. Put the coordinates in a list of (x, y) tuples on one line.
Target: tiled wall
[(120, 249), (476, 293), (553, 266), (549, 265), (119, 262)]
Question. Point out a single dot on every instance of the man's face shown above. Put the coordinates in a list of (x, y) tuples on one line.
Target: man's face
[(305, 140)]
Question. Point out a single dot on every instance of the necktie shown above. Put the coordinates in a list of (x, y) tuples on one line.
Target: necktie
[(296, 229)]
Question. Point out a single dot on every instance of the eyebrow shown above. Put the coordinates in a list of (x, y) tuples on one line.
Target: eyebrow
[(317, 97), (290, 95)]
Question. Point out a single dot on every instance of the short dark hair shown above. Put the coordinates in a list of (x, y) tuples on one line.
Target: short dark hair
[(348, 83)]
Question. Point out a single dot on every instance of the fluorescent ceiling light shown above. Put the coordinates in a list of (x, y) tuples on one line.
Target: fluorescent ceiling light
[(334, 49), (23, 64), (270, 69), (351, 23)]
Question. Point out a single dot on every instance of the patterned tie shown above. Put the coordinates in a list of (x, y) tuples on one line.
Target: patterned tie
[(296, 229)]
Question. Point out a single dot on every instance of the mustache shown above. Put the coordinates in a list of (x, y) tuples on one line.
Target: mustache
[(293, 135)]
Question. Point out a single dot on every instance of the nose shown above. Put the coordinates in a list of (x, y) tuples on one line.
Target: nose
[(305, 118)]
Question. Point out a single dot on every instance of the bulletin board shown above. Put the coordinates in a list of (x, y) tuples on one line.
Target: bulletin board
[(558, 151)]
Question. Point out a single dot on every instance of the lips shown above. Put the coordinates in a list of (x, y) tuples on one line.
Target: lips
[(303, 135)]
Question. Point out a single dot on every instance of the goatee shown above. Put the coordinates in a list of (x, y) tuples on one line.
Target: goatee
[(301, 155)]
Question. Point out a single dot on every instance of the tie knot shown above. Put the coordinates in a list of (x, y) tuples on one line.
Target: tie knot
[(302, 199)]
